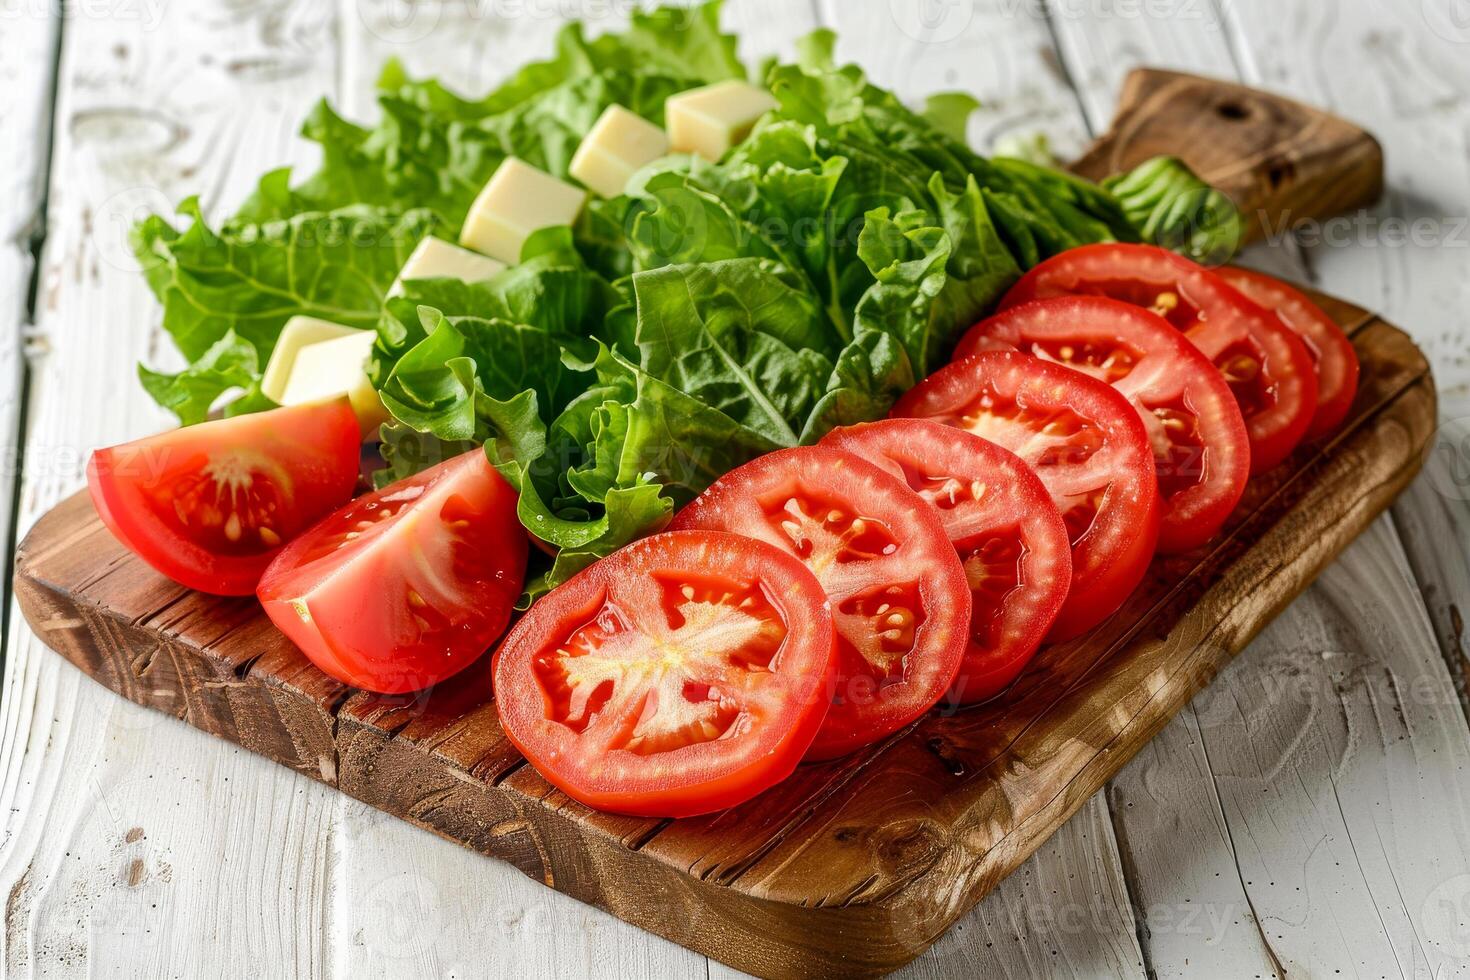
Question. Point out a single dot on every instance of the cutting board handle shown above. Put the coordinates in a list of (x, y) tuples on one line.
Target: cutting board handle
[(1281, 162)]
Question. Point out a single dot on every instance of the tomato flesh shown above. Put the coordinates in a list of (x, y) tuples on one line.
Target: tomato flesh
[(681, 675), (1086, 444), (1266, 365), (897, 590), (1332, 352), (407, 586), (212, 504), (1201, 451), (1009, 536)]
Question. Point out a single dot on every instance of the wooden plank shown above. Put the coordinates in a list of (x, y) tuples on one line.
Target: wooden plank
[(27, 70), (119, 855), (1021, 89), (1409, 84), (1323, 747), (1170, 793)]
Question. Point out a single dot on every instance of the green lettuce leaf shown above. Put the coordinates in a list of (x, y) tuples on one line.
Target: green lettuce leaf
[(1174, 208), (243, 282)]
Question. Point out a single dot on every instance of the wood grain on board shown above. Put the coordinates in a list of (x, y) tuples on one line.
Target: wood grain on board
[(850, 867)]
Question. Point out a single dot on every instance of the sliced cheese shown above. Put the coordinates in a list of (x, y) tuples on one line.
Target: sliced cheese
[(518, 200), (298, 332), (434, 258), (710, 120), (619, 144), (335, 367)]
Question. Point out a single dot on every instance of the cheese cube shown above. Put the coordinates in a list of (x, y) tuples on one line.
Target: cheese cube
[(518, 200), (337, 367), (298, 332), (619, 144), (435, 258), (710, 120)]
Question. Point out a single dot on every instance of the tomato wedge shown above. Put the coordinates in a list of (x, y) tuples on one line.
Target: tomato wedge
[(1266, 365), (1087, 445), (1201, 453), (1009, 535), (681, 675), (1331, 350), (210, 505), (406, 586), (896, 587)]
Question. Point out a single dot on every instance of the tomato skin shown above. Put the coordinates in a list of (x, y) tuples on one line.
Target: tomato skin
[(1332, 352), (1008, 533), (1201, 448), (404, 587), (299, 463), (1267, 365), (1097, 466), (864, 534), (682, 769)]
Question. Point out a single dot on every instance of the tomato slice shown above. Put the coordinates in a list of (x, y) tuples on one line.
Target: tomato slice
[(1201, 453), (405, 586), (1331, 350), (1266, 365), (1008, 533), (1087, 445), (681, 675), (896, 587), (212, 504)]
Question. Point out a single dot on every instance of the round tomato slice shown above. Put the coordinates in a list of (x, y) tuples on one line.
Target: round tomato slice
[(1201, 453), (211, 504), (681, 675), (1090, 450), (1331, 350), (999, 517), (405, 586), (895, 584), (1266, 365)]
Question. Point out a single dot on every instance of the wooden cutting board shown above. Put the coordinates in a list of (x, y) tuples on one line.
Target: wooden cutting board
[(853, 867)]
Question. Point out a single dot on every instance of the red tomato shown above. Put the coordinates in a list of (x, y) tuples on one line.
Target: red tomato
[(210, 505), (1331, 350), (1201, 453), (406, 586), (1087, 445), (1009, 535), (681, 675), (1266, 365), (896, 587)]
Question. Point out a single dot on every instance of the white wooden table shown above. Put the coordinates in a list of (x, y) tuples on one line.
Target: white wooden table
[(1308, 815)]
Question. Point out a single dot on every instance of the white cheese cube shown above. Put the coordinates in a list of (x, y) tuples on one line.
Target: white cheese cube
[(518, 200), (434, 258), (298, 332), (337, 367), (619, 144), (710, 120)]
